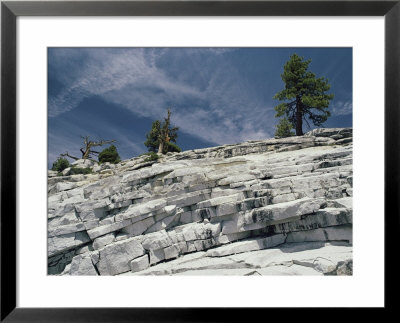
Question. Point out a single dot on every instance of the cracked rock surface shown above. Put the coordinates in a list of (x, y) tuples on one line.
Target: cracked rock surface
[(307, 258), (270, 207)]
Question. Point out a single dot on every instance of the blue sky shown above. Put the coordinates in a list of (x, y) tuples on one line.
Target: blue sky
[(217, 95)]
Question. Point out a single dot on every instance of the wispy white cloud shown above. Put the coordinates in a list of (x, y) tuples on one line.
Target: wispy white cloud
[(209, 97), (110, 74), (342, 108)]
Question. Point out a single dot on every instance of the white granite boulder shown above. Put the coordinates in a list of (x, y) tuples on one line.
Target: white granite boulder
[(115, 258)]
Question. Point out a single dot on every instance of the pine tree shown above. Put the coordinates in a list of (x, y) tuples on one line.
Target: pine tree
[(306, 94), (162, 136), (284, 129)]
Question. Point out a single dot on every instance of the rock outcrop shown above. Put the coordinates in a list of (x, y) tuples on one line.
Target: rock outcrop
[(270, 207)]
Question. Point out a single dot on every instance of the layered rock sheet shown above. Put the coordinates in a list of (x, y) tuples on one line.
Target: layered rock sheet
[(277, 206)]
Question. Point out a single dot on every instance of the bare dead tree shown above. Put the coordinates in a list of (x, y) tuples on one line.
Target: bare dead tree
[(68, 155), (87, 151)]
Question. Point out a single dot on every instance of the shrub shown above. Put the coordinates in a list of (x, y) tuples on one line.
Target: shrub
[(60, 164), (171, 147), (76, 171), (110, 155), (151, 156), (284, 129)]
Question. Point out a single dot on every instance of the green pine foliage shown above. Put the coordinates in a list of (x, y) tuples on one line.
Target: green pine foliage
[(284, 129), (60, 164), (151, 156), (110, 155), (304, 95), (152, 136), (76, 171), (171, 147)]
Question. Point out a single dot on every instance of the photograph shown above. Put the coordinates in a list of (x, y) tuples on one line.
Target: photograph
[(199, 161)]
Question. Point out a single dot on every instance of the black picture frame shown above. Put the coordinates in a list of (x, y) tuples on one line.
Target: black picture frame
[(10, 10)]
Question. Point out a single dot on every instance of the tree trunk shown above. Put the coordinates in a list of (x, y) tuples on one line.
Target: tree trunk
[(299, 118), (164, 138), (161, 147), (86, 154)]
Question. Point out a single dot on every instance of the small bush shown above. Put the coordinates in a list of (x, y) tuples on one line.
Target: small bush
[(110, 155), (60, 164), (171, 147), (284, 129), (76, 171), (151, 156)]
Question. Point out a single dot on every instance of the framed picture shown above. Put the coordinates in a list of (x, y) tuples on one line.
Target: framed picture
[(96, 203)]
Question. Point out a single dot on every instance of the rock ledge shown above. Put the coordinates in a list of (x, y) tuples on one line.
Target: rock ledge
[(269, 207)]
